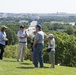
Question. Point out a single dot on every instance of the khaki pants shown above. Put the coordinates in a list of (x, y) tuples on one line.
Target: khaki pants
[(52, 57), (21, 52)]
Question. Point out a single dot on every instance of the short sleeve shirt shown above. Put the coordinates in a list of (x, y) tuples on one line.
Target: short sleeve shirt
[(52, 42), (40, 37), (2, 37), (20, 33)]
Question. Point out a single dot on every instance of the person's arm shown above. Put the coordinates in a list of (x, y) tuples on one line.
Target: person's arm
[(25, 35), (51, 43), (22, 37), (35, 43), (36, 40), (45, 37), (4, 37)]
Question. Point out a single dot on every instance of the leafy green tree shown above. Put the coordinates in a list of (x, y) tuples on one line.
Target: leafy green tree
[(70, 30), (12, 37)]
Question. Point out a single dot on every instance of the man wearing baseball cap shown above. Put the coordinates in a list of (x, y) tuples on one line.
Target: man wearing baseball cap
[(38, 46), (22, 37)]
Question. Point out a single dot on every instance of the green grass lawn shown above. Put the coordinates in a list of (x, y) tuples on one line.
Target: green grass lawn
[(11, 67)]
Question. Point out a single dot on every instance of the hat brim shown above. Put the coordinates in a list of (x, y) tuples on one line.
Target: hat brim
[(4, 27)]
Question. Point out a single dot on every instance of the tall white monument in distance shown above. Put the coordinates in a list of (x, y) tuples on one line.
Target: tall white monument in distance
[(31, 28)]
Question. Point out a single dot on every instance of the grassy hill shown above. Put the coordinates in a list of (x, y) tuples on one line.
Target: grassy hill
[(11, 67)]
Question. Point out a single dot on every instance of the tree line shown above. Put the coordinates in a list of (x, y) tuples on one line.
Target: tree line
[(65, 42)]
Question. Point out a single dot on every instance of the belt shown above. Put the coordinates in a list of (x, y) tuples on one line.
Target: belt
[(22, 42), (40, 43)]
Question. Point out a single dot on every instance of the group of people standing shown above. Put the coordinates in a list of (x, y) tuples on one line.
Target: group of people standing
[(37, 45)]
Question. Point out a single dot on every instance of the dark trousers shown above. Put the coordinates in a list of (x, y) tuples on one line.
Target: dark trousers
[(1, 51), (37, 55)]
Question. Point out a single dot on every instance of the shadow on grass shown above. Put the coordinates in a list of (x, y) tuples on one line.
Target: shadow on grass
[(10, 60), (25, 67), (26, 63), (45, 67), (32, 64)]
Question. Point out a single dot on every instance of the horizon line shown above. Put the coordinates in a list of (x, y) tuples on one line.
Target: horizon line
[(37, 13)]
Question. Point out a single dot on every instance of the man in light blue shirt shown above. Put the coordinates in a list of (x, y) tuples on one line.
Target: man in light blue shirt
[(22, 37), (2, 41)]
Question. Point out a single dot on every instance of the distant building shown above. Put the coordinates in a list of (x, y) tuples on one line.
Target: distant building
[(31, 28), (23, 21), (72, 23), (61, 22), (33, 23)]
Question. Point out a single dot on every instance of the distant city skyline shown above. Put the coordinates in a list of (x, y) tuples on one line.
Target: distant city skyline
[(38, 6)]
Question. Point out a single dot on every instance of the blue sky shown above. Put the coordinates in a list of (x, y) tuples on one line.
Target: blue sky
[(38, 6)]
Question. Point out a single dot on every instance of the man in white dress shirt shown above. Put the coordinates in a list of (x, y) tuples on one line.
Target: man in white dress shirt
[(22, 37)]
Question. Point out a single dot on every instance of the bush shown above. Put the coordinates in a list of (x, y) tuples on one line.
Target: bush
[(11, 51), (65, 50)]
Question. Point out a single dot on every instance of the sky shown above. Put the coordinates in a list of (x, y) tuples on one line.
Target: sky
[(38, 6)]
